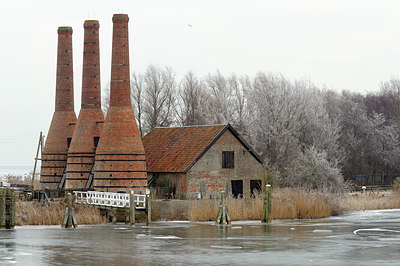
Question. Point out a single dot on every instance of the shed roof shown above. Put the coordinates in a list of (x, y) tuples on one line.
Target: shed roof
[(176, 149)]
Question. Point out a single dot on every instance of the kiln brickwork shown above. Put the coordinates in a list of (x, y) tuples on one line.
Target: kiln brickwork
[(54, 156), (120, 162), (81, 154)]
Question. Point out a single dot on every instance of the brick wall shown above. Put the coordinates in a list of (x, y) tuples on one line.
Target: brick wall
[(208, 177)]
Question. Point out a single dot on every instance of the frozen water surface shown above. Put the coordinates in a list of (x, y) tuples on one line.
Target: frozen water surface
[(358, 238)]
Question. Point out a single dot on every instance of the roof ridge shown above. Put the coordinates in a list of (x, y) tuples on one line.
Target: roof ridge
[(217, 125)]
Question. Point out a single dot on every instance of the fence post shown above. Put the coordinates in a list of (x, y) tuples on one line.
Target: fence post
[(69, 214), (223, 214), (7, 208), (148, 206), (266, 216), (132, 208)]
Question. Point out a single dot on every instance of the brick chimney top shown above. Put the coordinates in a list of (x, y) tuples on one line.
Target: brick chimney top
[(91, 95), (64, 30), (120, 74), (91, 24), (120, 18), (65, 77)]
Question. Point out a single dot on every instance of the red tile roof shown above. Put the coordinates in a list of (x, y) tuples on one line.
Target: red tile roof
[(174, 149)]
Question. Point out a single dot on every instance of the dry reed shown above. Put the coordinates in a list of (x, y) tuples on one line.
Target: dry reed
[(286, 204), (371, 201), (35, 213)]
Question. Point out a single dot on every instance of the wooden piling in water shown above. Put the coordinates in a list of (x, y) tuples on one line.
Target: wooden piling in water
[(148, 207), (132, 208), (69, 214), (7, 208), (223, 214), (266, 215)]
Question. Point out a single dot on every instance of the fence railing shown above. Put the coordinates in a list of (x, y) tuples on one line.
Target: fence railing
[(110, 199)]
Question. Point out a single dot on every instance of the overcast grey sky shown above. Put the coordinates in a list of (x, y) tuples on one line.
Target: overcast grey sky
[(343, 44)]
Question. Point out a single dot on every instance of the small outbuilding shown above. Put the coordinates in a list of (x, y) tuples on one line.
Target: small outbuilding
[(201, 161)]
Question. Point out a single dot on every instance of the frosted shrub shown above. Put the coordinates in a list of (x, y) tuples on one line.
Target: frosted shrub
[(312, 170)]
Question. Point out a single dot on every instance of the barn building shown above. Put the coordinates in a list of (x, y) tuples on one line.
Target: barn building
[(194, 161)]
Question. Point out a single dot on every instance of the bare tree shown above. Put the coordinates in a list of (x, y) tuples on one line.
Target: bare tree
[(219, 107), (239, 87), (159, 97), (193, 99), (137, 89)]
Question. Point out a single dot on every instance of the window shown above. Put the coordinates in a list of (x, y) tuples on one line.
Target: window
[(255, 187), (96, 141), (69, 142), (228, 159), (237, 188)]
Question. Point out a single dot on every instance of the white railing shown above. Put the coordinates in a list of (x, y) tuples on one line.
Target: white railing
[(110, 199)]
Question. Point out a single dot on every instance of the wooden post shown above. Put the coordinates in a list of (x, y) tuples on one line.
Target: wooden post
[(114, 217), (40, 143), (266, 215), (148, 206), (7, 208), (132, 208), (69, 214), (223, 214)]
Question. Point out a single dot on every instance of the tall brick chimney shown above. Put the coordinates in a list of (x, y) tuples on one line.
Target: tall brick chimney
[(54, 157), (90, 121), (120, 162)]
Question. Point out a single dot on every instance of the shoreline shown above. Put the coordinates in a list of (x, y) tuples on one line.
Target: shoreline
[(287, 204), (233, 223)]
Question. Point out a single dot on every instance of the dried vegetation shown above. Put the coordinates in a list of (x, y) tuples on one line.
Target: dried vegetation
[(286, 204), (35, 213)]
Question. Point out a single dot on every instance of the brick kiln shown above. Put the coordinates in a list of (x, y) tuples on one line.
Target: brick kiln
[(120, 158), (108, 152), (81, 154), (54, 156)]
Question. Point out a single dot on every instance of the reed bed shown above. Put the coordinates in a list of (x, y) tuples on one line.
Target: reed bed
[(286, 204), (371, 201), (35, 213), (302, 204), (169, 210)]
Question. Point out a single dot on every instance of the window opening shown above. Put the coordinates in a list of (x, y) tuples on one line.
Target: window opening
[(237, 188), (255, 187), (228, 159), (96, 141), (69, 142)]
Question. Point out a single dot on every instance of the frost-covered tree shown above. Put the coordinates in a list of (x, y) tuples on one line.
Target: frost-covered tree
[(312, 170), (288, 119)]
